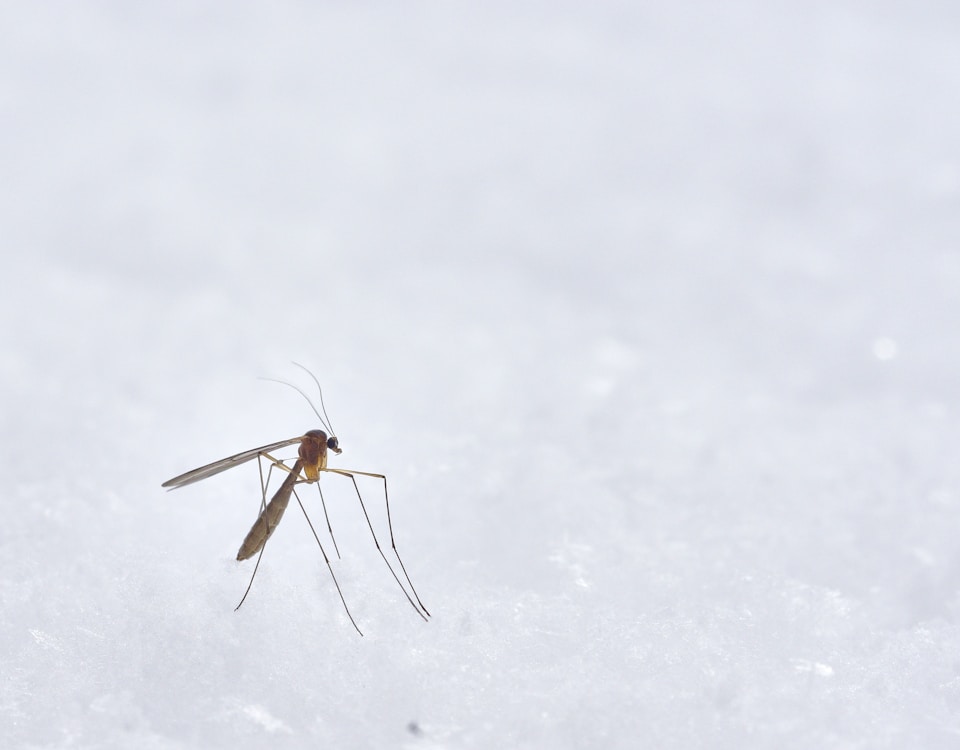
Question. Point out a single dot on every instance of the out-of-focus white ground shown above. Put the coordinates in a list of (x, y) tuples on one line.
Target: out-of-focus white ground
[(648, 311)]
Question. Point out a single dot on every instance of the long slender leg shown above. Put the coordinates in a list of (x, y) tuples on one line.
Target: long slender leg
[(270, 515), (349, 473), (327, 561), (263, 485), (274, 463), (263, 507), (249, 585), (329, 527), (393, 544), (278, 463)]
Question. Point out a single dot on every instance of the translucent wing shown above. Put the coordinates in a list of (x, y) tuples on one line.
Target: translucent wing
[(226, 463)]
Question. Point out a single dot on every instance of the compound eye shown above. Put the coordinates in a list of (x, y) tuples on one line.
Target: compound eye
[(332, 444)]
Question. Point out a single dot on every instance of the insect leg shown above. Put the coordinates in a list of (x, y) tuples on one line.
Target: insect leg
[(256, 539), (327, 561), (421, 610), (249, 585), (329, 527)]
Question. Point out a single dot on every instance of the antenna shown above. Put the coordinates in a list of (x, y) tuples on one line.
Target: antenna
[(322, 406), (324, 422)]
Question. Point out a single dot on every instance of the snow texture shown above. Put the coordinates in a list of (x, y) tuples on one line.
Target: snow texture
[(649, 312)]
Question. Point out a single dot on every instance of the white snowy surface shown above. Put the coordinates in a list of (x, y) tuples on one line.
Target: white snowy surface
[(649, 311)]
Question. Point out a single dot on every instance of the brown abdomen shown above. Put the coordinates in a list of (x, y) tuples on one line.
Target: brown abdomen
[(270, 517)]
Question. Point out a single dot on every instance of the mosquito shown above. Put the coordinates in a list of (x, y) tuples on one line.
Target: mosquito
[(314, 448)]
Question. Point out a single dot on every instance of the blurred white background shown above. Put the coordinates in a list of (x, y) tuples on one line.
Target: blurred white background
[(648, 311)]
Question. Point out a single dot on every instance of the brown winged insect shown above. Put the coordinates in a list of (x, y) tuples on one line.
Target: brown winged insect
[(306, 469)]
